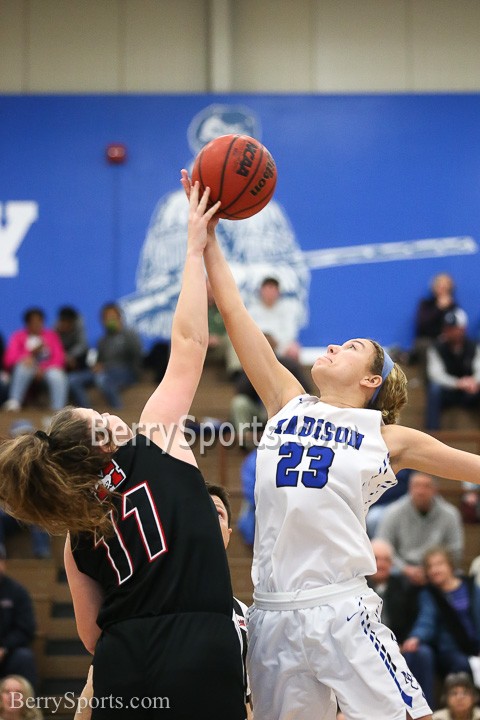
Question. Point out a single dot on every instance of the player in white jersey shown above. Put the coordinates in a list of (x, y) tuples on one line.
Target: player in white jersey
[(315, 625)]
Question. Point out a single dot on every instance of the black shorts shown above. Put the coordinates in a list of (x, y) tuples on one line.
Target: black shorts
[(186, 666)]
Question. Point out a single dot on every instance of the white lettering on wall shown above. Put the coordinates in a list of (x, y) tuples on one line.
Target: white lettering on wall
[(16, 218)]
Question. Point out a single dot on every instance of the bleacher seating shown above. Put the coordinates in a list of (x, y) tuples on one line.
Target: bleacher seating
[(62, 661)]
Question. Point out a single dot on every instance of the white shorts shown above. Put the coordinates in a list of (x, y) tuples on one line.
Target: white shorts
[(297, 656)]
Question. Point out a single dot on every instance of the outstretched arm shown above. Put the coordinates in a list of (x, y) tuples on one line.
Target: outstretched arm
[(416, 450), (273, 382), (163, 414)]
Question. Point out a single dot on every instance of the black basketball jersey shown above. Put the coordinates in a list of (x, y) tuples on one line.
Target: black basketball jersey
[(166, 553)]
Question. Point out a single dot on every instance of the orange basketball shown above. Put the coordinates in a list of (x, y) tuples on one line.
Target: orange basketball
[(239, 171)]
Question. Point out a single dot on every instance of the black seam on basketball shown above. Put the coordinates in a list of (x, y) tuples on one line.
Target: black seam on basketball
[(261, 148), (199, 160), (224, 167), (265, 199)]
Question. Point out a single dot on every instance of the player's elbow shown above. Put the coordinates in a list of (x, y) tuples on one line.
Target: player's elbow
[(89, 637)]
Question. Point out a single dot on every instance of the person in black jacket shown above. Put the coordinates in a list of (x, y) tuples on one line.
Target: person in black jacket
[(453, 370), (17, 627)]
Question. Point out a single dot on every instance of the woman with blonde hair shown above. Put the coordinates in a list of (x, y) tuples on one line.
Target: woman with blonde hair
[(322, 461), (17, 699)]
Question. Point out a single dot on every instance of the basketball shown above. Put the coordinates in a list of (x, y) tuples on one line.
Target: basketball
[(239, 171)]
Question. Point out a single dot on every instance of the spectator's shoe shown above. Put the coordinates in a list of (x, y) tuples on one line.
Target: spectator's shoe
[(11, 405)]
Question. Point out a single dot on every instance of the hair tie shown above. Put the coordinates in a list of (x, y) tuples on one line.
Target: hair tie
[(386, 370), (42, 436)]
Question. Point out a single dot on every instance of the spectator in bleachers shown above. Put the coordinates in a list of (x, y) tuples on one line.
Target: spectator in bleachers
[(453, 370), (246, 408), (17, 626), (448, 616), (35, 353), (71, 331), (118, 364), (430, 313), (399, 612), (274, 315), (460, 698), (16, 694), (416, 522)]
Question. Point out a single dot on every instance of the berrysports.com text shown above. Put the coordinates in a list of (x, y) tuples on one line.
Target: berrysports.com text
[(70, 701)]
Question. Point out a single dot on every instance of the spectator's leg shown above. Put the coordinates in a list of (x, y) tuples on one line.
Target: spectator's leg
[(77, 382), (233, 366), (422, 665), (111, 382), (22, 377), (454, 663), (242, 411), (434, 406), (57, 382)]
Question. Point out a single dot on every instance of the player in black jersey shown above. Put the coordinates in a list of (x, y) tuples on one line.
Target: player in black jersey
[(144, 557), (221, 501)]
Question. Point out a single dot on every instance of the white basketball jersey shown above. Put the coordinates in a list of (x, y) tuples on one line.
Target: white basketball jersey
[(319, 468)]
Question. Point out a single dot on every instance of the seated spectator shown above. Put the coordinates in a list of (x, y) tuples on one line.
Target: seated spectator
[(35, 353), (273, 314), (460, 697), (430, 313), (416, 522), (71, 331), (17, 699), (118, 363), (453, 370), (220, 349), (247, 412), (399, 612), (448, 616), (17, 628)]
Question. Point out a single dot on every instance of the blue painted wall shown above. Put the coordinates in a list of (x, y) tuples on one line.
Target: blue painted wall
[(352, 170)]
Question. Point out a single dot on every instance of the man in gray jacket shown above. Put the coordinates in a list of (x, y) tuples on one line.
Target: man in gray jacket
[(418, 521)]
